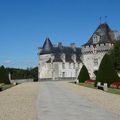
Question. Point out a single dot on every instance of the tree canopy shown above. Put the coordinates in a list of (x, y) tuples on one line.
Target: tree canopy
[(83, 75), (4, 75), (115, 55), (18, 73), (106, 72)]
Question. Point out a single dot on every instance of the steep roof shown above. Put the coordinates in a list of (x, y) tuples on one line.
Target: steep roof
[(104, 32), (57, 51), (47, 46)]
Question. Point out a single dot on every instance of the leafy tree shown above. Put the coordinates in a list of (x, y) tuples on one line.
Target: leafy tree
[(4, 75), (106, 72), (24, 73), (83, 75), (115, 55)]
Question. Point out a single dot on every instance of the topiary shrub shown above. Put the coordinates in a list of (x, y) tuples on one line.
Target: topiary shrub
[(83, 75), (106, 72)]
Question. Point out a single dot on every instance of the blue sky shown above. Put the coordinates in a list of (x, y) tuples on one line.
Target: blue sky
[(24, 25)]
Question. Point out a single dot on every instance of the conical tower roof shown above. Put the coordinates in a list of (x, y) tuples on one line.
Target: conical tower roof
[(47, 46)]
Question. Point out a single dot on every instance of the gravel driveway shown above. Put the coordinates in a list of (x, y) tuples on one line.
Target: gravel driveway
[(61, 101), (57, 101), (19, 102)]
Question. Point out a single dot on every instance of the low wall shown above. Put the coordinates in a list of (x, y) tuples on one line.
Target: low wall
[(21, 80), (61, 78)]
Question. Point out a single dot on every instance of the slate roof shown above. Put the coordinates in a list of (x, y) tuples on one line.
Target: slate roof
[(47, 46), (105, 33), (59, 50)]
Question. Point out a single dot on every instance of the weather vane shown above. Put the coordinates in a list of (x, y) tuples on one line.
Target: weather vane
[(100, 20), (105, 19)]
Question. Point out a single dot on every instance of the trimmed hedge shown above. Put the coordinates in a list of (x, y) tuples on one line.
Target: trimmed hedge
[(83, 75), (106, 72)]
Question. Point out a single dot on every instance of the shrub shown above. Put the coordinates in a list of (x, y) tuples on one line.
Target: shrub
[(83, 75), (106, 72)]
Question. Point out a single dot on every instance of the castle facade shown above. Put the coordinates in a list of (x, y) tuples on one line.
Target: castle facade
[(58, 62)]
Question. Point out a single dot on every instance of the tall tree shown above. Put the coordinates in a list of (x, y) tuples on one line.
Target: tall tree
[(83, 75), (4, 75), (115, 55), (106, 72)]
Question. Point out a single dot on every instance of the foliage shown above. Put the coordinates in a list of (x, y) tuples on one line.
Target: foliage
[(95, 72), (110, 90), (88, 85), (114, 91), (115, 55), (83, 75), (23, 73), (4, 75), (106, 72), (6, 86), (18, 74)]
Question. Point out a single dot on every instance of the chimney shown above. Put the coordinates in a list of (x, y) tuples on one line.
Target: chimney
[(73, 46), (60, 44)]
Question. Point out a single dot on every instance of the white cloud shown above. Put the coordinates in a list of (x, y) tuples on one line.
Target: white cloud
[(7, 62)]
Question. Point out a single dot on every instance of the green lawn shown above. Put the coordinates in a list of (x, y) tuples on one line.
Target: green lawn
[(6, 86), (110, 90), (87, 85), (114, 90)]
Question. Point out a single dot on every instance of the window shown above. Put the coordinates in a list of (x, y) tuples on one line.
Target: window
[(74, 65), (63, 74), (96, 39), (73, 57), (63, 65), (95, 62), (69, 65), (63, 57)]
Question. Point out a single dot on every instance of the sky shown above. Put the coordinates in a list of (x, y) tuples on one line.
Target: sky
[(24, 25)]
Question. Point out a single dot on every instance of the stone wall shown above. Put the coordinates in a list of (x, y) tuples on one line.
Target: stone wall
[(21, 81)]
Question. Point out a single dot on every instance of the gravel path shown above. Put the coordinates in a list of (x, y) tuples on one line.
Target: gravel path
[(57, 101), (107, 101), (18, 103), (65, 101)]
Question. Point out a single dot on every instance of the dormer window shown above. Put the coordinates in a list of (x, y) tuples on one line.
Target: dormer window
[(63, 57), (52, 57), (96, 39), (74, 57)]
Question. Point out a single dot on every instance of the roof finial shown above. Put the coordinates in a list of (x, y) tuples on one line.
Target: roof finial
[(105, 19)]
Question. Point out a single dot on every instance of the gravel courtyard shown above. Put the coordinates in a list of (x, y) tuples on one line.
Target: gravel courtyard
[(19, 102), (67, 101), (57, 100)]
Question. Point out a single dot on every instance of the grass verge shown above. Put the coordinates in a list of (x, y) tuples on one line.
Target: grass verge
[(110, 90), (87, 85), (114, 90), (6, 86)]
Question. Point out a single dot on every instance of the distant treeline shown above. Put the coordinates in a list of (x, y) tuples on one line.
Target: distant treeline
[(17, 74)]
